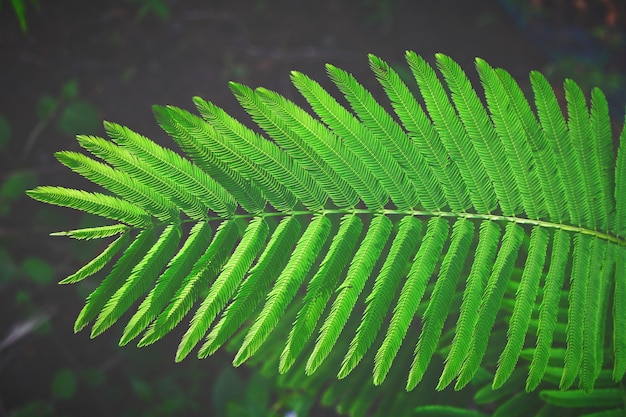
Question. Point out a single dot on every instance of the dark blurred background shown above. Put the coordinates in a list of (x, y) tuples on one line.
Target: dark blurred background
[(65, 65)]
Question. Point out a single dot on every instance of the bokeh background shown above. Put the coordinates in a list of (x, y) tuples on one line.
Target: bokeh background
[(69, 64)]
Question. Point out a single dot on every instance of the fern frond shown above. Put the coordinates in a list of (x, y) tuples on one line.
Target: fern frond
[(619, 304), (307, 141), (126, 161), (347, 293), (321, 288), (404, 245), (99, 262), (120, 183), (366, 165), (579, 279), (603, 311), (454, 138), (579, 129), (486, 249), (602, 154), (593, 309), (451, 222), (549, 307), (256, 284), (410, 296), (518, 151), (174, 169), (115, 279), (482, 133), (266, 154), (190, 133), (93, 203), (224, 285), (544, 160), (390, 135), (487, 394), (441, 299), (492, 297), (555, 129), (204, 270), (168, 282), (98, 232), (524, 303), (424, 138), (286, 286), (139, 279)]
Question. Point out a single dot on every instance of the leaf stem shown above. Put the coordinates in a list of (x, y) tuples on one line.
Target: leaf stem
[(423, 213)]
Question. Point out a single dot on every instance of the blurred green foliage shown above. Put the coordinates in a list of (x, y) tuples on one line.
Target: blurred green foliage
[(19, 7)]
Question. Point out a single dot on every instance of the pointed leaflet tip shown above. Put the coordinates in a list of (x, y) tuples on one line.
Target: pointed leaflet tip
[(377, 64), (57, 233), (236, 87), (480, 62), (107, 125), (112, 129)]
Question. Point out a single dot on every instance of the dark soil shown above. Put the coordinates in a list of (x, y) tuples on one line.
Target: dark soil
[(124, 65)]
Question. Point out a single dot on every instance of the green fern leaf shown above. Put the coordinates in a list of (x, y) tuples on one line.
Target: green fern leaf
[(454, 138), (555, 129), (191, 134), (441, 298), (576, 312), (619, 304), (367, 180), (256, 284), (320, 288), (492, 297), (602, 157), (94, 203), (517, 151), (168, 282), (482, 133), (404, 245), (94, 232), (549, 308), (269, 156), (579, 129), (224, 285), (424, 138), (524, 303), (138, 280), (360, 268), (485, 254), (544, 160), (411, 295), (336, 221), (99, 262), (115, 279), (120, 183), (593, 309), (193, 182), (307, 141), (203, 271), (286, 286)]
